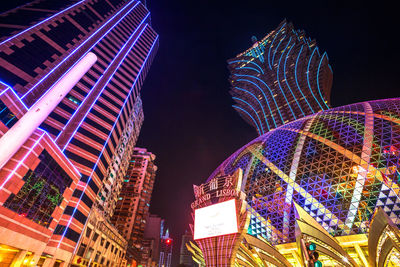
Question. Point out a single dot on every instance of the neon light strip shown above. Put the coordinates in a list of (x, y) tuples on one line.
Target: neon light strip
[(319, 89), (279, 83), (297, 82), (272, 95), (293, 173), (308, 78), (266, 100), (247, 61), (284, 72), (276, 49), (262, 108), (269, 50), (73, 52), (21, 161), (260, 131), (55, 145), (105, 85), (352, 156), (255, 123), (308, 197), (64, 10), (90, 178), (363, 173), (249, 68)]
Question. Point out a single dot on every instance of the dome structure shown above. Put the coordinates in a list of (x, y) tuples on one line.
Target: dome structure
[(339, 165)]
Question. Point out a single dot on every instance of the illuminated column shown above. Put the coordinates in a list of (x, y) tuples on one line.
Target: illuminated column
[(18, 259), (17, 135)]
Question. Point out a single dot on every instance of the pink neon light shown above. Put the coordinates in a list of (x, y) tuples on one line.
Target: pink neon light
[(17, 135), (215, 220), (21, 161)]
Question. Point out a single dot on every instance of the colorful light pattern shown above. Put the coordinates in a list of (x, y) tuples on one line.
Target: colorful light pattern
[(283, 75), (339, 165)]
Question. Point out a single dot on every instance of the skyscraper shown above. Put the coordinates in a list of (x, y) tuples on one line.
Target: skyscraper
[(70, 79), (134, 201), (279, 79)]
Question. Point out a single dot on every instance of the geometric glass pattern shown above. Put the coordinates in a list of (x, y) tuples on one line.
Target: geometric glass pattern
[(339, 165), (42, 191)]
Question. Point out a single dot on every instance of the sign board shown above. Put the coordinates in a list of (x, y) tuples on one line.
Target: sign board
[(215, 220)]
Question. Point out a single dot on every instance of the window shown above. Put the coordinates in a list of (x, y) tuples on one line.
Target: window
[(95, 236), (88, 232), (81, 250)]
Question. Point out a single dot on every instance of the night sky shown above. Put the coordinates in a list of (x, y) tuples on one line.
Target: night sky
[(189, 122)]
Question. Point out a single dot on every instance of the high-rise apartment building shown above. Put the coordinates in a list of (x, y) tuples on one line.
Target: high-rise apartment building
[(134, 201), (70, 112), (279, 79)]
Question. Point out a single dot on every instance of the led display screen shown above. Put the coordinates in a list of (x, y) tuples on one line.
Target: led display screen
[(215, 220)]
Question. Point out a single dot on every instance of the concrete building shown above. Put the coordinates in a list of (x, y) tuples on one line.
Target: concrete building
[(134, 201)]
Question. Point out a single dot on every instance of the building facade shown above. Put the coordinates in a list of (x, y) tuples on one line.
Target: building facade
[(281, 78), (185, 256), (134, 201), (153, 234), (331, 179), (70, 112)]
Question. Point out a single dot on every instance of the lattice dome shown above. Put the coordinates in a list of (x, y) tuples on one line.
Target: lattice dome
[(338, 165)]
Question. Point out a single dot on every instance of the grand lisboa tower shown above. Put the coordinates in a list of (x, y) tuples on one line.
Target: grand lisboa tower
[(321, 190)]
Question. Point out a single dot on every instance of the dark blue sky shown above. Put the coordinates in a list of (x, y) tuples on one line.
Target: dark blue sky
[(189, 123)]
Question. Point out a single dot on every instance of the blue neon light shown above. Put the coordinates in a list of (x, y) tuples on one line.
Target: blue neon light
[(73, 52), (284, 72), (247, 61), (104, 146), (319, 89), (111, 76), (12, 37), (276, 49), (249, 68), (262, 130), (269, 50), (262, 108), (249, 116), (279, 83), (297, 82), (272, 95), (265, 97), (308, 78)]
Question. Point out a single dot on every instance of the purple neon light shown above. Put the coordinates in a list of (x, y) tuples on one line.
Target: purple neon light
[(64, 10), (111, 76), (73, 52), (21, 161), (90, 177)]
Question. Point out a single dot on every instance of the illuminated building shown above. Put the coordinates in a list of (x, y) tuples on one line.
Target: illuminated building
[(185, 255), (281, 78), (100, 244), (70, 112), (134, 201), (317, 180)]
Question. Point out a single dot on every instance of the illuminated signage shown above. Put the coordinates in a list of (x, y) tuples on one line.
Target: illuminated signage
[(215, 220)]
